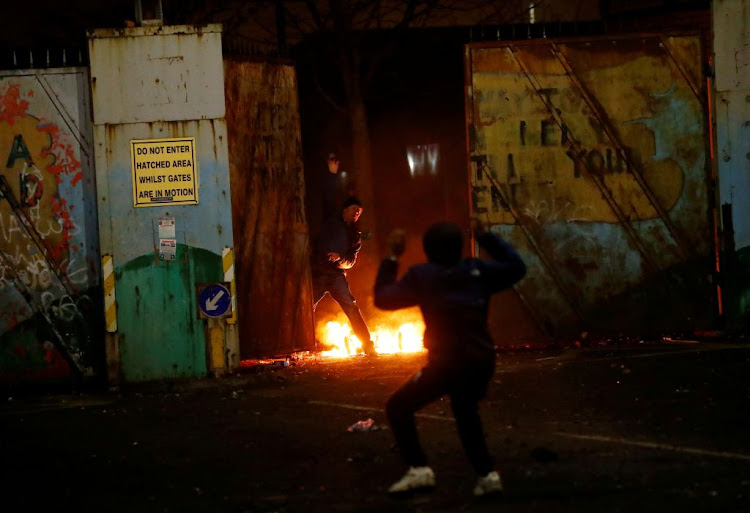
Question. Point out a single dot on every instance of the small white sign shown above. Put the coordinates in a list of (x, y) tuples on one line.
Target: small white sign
[(166, 228), (167, 249)]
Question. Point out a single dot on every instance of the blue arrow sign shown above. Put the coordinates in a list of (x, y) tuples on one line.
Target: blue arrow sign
[(215, 300)]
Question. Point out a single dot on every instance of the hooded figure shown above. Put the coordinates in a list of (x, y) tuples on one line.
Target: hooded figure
[(453, 295)]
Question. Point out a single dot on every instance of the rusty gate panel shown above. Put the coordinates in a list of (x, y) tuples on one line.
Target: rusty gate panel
[(274, 296), (591, 157)]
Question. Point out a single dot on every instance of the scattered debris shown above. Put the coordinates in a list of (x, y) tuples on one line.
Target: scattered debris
[(679, 340), (362, 425)]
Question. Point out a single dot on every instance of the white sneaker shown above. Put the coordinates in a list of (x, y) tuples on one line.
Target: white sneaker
[(488, 484), (415, 479)]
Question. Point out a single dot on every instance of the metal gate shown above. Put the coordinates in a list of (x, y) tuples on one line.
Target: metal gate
[(50, 300), (590, 156), (164, 220)]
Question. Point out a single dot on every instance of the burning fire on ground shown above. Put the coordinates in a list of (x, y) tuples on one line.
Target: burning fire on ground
[(398, 332)]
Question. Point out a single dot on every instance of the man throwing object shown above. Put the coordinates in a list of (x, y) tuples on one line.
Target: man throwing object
[(453, 295)]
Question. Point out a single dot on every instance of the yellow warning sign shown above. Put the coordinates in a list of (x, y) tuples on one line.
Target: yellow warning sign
[(164, 171)]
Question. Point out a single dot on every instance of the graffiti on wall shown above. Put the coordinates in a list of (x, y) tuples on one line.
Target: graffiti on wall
[(37, 158), (41, 163), (531, 153), (591, 157)]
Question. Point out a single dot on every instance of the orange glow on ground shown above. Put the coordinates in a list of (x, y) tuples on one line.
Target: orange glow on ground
[(397, 332)]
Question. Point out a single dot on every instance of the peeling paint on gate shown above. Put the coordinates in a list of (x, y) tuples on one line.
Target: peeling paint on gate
[(163, 294), (590, 155), (45, 158)]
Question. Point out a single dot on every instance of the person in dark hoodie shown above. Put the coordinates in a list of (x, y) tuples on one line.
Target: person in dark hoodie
[(453, 295), (336, 251)]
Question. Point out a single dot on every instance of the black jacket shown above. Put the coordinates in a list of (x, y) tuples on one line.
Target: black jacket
[(336, 236), (453, 299)]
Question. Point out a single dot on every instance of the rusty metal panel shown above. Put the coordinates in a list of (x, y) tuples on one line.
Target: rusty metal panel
[(731, 19), (733, 161), (731, 29), (50, 282), (591, 157), (166, 73), (274, 296)]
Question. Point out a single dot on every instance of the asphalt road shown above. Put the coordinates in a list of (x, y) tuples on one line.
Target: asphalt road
[(634, 428)]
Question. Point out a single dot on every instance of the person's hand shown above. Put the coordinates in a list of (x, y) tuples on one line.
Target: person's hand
[(479, 224), (333, 257), (397, 242)]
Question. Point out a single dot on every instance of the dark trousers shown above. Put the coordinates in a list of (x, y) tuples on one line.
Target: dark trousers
[(466, 384), (337, 286)]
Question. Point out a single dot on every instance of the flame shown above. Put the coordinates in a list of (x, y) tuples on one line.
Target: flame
[(399, 332)]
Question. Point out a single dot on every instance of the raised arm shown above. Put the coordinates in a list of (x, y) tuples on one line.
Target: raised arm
[(330, 190), (506, 266), (392, 294)]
